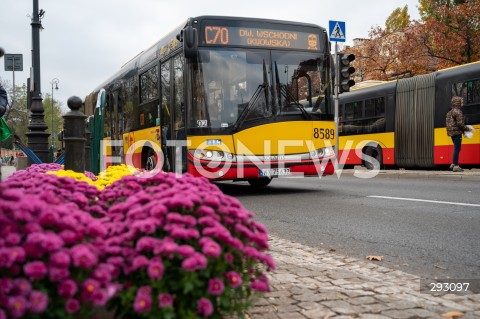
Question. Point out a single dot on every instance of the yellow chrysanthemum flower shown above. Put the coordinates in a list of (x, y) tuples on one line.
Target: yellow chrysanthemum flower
[(105, 178), (75, 175)]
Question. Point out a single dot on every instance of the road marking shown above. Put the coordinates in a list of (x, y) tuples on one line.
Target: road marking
[(425, 200)]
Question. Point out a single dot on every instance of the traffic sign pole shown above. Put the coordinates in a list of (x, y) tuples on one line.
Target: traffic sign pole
[(337, 83), (337, 34), (13, 98)]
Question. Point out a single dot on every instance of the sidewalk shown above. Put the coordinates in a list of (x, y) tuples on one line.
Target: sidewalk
[(311, 283), (7, 170)]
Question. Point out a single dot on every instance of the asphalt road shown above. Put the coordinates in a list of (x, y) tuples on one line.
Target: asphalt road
[(438, 237)]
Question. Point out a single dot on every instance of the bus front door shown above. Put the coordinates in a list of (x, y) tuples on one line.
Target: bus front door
[(177, 109)]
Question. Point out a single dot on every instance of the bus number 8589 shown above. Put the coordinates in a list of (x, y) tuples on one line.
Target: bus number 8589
[(323, 133)]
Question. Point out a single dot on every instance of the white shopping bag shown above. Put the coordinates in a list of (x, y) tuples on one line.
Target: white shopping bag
[(469, 134)]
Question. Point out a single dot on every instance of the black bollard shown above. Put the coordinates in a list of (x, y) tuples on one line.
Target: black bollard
[(74, 136)]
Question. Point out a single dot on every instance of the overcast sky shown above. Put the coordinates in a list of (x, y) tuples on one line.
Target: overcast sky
[(85, 41)]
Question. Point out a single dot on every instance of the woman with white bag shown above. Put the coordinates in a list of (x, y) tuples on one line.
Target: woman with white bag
[(455, 129)]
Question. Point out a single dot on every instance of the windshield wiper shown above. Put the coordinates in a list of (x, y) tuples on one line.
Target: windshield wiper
[(254, 99), (249, 106), (289, 97)]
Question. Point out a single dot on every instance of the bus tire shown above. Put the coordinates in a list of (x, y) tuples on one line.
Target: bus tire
[(259, 182), (150, 160), (376, 153)]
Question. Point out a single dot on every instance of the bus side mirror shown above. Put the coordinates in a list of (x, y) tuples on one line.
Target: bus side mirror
[(189, 36)]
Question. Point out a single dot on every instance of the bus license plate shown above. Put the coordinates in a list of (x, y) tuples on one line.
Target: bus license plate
[(274, 172)]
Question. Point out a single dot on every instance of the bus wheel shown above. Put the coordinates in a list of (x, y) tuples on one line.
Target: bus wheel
[(259, 182), (376, 153), (151, 161)]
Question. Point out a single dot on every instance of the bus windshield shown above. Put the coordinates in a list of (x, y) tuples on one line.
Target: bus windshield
[(233, 87)]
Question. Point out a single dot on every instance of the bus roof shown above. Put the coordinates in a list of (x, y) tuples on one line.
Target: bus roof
[(170, 43), (257, 20), (366, 84)]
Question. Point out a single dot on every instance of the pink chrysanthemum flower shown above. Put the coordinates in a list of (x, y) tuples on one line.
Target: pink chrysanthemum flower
[(35, 269), (142, 302), (211, 248), (17, 306), (165, 300), (38, 301), (72, 306), (155, 269), (67, 289), (83, 256), (215, 287), (234, 279), (204, 307), (195, 262)]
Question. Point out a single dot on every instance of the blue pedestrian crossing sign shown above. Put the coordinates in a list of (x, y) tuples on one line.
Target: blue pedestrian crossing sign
[(337, 31)]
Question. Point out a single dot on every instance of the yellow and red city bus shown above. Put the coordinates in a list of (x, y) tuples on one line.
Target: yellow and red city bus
[(402, 122), (220, 97)]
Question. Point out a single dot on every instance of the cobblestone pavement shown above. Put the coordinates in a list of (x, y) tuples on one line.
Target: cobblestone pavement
[(313, 283)]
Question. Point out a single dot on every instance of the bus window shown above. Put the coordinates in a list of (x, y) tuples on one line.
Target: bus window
[(375, 107), (179, 111), (353, 110), (165, 114), (197, 114), (108, 117), (470, 91), (129, 109), (473, 92), (149, 85), (149, 97)]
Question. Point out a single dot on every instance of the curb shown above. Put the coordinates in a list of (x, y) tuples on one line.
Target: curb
[(467, 175)]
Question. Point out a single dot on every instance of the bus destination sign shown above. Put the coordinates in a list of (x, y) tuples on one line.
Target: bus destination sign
[(256, 37)]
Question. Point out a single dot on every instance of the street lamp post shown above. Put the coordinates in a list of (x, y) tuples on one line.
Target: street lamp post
[(55, 82), (37, 137)]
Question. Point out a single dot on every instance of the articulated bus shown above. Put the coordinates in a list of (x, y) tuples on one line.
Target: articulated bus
[(223, 97), (402, 123)]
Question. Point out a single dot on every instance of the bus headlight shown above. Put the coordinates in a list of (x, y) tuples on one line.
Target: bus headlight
[(209, 155), (328, 151), (322, 152)]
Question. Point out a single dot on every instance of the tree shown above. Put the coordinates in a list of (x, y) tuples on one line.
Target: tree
[(450, 31), (17, 115), (398, 20), (448, 34), (390, 52)]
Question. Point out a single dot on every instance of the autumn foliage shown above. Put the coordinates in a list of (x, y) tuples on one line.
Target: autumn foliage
[(447, 35)]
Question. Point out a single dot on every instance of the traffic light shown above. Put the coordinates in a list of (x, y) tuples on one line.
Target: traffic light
[(345, 71)]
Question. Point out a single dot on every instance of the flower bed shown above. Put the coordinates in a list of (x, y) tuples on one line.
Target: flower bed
[(156, 247), (47, 256)]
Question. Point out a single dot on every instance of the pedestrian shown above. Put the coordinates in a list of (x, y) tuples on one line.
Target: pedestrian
[(3, 100), (3, 93), (12, 159), (455, 129)]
